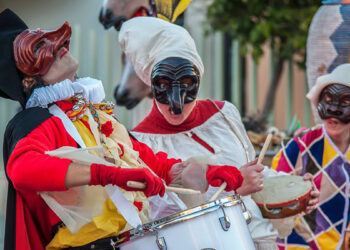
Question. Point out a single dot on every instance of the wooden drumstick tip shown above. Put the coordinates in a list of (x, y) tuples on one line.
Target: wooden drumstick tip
[(219, 191), (141, 185), (136, 184), (265, 147), (182, 190)]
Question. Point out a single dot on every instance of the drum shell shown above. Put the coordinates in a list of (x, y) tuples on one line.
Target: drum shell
[(201, 232), (286, 210)]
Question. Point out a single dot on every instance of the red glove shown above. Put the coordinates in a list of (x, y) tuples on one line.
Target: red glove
[(216, 175), (104, 175)]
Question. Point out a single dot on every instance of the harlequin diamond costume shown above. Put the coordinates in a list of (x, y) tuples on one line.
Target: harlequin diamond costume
[(165, 57), (316, 152), (59, 195)]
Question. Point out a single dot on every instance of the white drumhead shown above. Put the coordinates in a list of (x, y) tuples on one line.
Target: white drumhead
[(280, 189)]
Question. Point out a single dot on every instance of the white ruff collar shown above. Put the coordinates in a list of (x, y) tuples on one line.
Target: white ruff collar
[(91, 89)]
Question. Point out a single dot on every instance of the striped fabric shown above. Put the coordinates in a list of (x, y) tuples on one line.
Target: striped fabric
[(328, 42), (315, 153), (170, 10), (335, 2)]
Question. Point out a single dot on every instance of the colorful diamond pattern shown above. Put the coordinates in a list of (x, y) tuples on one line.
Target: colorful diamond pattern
[(335, 171), (331, 208), (324, 224)]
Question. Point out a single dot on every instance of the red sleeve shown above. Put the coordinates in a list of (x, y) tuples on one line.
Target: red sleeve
[(30, 169), (158, 162)]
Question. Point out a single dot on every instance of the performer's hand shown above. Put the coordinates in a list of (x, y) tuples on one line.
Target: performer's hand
[(104, 175), (253, 178), (312, 204), (216, 175)]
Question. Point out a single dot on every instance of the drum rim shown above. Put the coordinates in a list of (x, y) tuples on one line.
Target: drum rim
[(153, 226), (285, 203)]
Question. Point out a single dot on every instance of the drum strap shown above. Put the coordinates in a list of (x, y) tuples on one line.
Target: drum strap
[(233, 128)]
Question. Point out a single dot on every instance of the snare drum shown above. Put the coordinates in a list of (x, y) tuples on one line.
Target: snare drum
[(283, 196), (221, 224)]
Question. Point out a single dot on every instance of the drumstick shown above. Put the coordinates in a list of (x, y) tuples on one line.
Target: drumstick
[(141, 185), (220, 190), (136, 184), (264, 149), (261, 157), (182, 190)]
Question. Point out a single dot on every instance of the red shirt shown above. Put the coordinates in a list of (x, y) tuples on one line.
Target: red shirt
[(31, 171), (155, 122)]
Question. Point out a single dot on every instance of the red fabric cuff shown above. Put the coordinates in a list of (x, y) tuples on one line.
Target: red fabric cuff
[(216, 175)]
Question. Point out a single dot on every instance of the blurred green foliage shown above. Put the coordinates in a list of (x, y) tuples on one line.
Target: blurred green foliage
[(283, 23)]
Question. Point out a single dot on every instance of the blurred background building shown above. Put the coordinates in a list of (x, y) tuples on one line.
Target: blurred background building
[(238, 79)]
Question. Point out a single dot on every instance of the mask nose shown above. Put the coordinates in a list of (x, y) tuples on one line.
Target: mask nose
[(60, 33), (334, 110), (176, 99)]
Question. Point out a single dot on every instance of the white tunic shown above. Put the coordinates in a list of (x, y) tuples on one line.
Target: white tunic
[(231, 148)]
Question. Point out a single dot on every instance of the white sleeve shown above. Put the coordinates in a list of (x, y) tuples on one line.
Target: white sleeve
[(284, 226)]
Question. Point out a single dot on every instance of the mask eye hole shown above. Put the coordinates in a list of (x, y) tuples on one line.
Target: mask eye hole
[(65, 44), (327, 98), (186, 82), (38, 46), (345, 102), (163, 83)]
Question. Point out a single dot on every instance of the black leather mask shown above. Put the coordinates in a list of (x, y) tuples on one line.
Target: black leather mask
[(334, 102), (175, 81)]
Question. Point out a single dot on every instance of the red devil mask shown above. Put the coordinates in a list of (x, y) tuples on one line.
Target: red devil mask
[(36, 50)]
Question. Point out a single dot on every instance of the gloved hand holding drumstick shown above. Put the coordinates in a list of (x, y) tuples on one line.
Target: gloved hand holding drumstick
[(252, 174), (196, 173), (104, 175), (207, 174)]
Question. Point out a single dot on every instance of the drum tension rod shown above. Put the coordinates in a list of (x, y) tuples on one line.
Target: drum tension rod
[(246, 214), (224, 221), (161, 243)]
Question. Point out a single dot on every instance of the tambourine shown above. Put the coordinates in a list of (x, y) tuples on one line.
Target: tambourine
[(283, 196)]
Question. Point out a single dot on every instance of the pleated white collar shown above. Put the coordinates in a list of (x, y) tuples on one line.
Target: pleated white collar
[(92, 90)]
